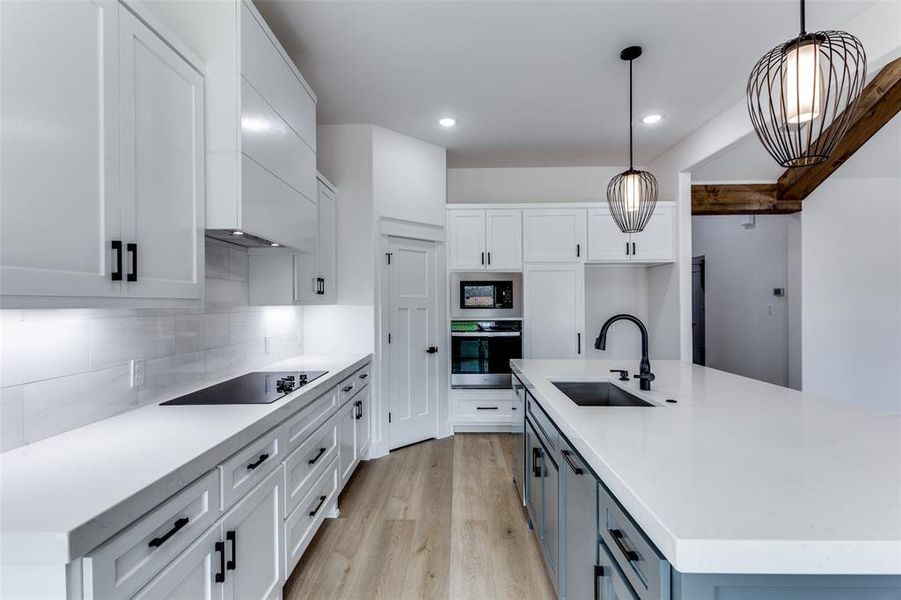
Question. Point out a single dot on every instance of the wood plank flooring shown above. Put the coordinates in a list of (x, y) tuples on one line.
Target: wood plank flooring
[(440, 519)]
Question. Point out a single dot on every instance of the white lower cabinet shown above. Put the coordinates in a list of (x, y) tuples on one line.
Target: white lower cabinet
[(348, 450), (254, 538), (191, 575), (361, 426), (302, 524)]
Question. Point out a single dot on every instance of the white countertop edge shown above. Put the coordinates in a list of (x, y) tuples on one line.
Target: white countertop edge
[(739, 556), (32, 547)]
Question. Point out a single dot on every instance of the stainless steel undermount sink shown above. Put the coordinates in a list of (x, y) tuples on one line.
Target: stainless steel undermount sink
[(598, 393)]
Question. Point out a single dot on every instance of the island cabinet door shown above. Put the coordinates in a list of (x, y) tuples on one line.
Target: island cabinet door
[(534, 454), (579, 522), (254, 542), (611, 585)]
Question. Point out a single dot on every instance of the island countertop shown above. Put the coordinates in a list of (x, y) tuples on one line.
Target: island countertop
[(739, 476), (61, 497)]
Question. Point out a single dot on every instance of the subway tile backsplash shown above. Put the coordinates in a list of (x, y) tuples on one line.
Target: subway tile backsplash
[(62, 369)]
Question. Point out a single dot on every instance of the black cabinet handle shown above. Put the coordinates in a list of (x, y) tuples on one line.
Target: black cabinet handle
[(220, 548), (133, 250), (257, 462), (567, 456), (232, 536), (489, 257), (578, 250), (627, 248), (319, 454), (486, 408), (159, 541), (578, 343), (117, 248), (536, 456), (358, 414), (347, 388), (618, 537), (633, 249), (364, 375), (318, 506), (483, 258)]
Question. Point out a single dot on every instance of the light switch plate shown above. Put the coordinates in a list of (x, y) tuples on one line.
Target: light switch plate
[(137, 372)]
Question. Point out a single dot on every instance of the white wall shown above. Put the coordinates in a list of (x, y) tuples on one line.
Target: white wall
[(539, 184), (743, 266), (851, 273), (610, 290), (409, 178)]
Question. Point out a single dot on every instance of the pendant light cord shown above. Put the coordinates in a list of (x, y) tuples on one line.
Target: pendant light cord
[(630, 114), (803, 25)]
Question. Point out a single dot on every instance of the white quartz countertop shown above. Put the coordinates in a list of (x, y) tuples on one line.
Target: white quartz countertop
[(739, 476), (63, 496)]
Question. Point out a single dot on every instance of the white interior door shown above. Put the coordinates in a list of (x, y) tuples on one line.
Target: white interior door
[(60, 182), (162, 164), (412, 369)]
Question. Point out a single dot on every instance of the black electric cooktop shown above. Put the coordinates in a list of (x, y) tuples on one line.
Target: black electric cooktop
[(261, 387)]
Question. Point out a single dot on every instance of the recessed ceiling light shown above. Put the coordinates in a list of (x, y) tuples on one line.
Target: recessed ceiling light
[(237, 233), (275, 244), (651, 119), (447, 122)]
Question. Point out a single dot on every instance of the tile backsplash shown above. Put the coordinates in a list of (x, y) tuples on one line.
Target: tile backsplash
[(62, 369)]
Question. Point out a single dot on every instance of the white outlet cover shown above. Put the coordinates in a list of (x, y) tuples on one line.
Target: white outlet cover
[(137, 372)]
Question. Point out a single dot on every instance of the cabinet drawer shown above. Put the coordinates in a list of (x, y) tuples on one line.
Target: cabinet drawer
[(118, 568), (308, 460), (240, 473), (299, 427), (484, 409), (643, 566), (302, 524), (353, 384), (545, 425)]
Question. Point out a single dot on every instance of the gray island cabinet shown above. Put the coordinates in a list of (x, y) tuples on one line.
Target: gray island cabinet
[(594, 549)]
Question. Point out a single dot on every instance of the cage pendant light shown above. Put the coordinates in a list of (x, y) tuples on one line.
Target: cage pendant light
[(632, 195), (802, 95)]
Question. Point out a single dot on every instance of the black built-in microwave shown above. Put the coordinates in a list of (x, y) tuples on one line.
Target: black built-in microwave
[(486, 294)]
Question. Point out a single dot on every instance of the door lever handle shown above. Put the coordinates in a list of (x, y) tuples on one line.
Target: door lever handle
[(432, 349)]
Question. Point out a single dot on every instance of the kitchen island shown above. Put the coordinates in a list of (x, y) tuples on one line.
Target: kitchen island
[(738, 484)]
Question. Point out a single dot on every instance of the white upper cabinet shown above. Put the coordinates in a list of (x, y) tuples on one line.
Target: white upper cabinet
[(326, 255), (466, 239), (554, 310), (103, 179), (484, 239), (553, 235), (503, 230), (161, 145), (606, 243)]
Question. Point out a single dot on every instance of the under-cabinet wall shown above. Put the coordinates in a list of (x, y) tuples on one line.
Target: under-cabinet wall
[(62, 369)]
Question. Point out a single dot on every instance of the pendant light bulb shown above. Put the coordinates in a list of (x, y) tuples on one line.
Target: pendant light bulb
[(802, 83), (632, 183)]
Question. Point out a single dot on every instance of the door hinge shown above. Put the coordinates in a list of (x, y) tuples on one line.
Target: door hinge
[(389, 417), (388, 257)]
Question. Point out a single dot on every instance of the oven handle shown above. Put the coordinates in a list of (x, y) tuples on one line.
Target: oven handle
[(479, 334)]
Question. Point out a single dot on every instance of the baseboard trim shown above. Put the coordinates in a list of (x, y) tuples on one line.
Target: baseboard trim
[(483, 428)]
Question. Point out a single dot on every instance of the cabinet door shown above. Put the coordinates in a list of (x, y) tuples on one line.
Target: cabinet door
[(254, 541), (580, 523), (503, 229), (611, 585), (534, 456), (551, 520), (60, 183), (161, 108), (606, 243), (192, 574), (553, 310), (656, 242), (362, 424), (306, 279), (347, 441), (466, 239), (553, 235), (328, 231)]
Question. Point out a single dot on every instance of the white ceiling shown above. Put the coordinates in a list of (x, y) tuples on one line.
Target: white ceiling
[(535, 83)]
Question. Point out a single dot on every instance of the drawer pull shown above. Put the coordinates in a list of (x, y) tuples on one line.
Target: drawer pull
[(358, 410), (316, 458), (364, 375), (232, 536), (347, 388), (220, 548), (318, 506), (536, 467), (486, 408), (159, 541), (618, 537), (257, 462), (567, 456)]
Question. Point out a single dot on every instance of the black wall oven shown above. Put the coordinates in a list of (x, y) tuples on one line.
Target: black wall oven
[(481, 352)]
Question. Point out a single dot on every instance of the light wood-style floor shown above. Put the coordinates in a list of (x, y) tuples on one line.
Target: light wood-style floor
[(435, 520)]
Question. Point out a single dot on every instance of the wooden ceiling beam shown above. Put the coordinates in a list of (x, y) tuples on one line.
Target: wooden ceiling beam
[(879, 102), (740, 199)]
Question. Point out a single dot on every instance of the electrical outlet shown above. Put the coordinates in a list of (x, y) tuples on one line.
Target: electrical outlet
[(137, 372)]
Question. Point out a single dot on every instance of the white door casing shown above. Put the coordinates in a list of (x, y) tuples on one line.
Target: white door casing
[(412, 370)]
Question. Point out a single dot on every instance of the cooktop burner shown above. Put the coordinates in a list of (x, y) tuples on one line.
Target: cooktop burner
[(261, 387)]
